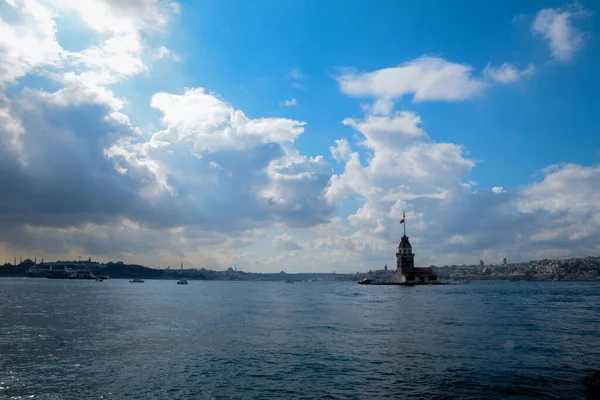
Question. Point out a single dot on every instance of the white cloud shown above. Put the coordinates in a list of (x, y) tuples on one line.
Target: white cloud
[(212, 124), (556, 26), (382, 106), (341, 150), (289, 103), (118, 17), (212, 181), (115, 59), (388, 131), (406, 170), (286, 242), (426, 78), (507, 73), (250, 175), (211, 176), (164, 53), (28, 42), (555, 192)]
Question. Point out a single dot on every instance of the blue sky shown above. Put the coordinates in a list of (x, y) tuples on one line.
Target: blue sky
[(262, 132), (245, 51)]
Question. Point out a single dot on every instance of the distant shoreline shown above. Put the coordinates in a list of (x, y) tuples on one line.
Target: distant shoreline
[(573, 269), (290, 278)]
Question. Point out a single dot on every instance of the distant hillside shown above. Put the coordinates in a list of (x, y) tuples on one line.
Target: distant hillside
[(587, 268), (111, 269)]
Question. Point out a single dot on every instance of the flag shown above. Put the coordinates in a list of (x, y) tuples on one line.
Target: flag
[(402, 221)]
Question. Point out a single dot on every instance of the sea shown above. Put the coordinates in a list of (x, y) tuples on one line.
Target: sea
[(76, 339)]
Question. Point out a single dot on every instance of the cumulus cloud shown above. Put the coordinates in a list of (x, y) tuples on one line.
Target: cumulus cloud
[(80, 178), (214, 170), (215, 167), (341, 150), (119, 17), (426, 79), (448, 220), (28, 42), (56, 174), (556, 25), (286, 242), (74, 167)]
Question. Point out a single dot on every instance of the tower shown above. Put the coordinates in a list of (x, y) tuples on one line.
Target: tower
[(405, 258)]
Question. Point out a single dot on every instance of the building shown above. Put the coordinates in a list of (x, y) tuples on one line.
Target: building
[(504, 261), (406, 272), (481, 263)]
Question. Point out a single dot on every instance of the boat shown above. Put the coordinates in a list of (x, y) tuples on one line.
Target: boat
[(137, 280), (365, 281), (77, 274), (182, 281), (288, 281)]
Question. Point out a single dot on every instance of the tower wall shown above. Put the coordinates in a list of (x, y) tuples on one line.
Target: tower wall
[(405, 258)]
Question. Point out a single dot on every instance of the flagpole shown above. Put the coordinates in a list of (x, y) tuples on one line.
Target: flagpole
[(404, 218)]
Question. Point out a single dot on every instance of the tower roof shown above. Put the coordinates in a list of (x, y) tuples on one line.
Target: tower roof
[(404, 242)]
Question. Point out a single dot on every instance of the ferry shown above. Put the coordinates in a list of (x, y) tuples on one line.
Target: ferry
[(137, 280), (77, 274)]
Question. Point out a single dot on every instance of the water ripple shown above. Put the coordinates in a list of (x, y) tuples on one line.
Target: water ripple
[(217, 340)]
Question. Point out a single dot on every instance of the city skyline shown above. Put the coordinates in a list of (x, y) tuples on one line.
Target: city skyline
[(295, 135)]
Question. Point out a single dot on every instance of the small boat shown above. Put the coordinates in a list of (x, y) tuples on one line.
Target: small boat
[(182, 281), (365, 282), (136, 280), (288, 281)]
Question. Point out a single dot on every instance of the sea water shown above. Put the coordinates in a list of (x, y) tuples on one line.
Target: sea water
[(71, 339)]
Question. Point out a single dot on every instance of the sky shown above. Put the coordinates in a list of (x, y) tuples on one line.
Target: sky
[(294, 135)]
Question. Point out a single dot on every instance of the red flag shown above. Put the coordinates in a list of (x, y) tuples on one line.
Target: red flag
[(402, 221)]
